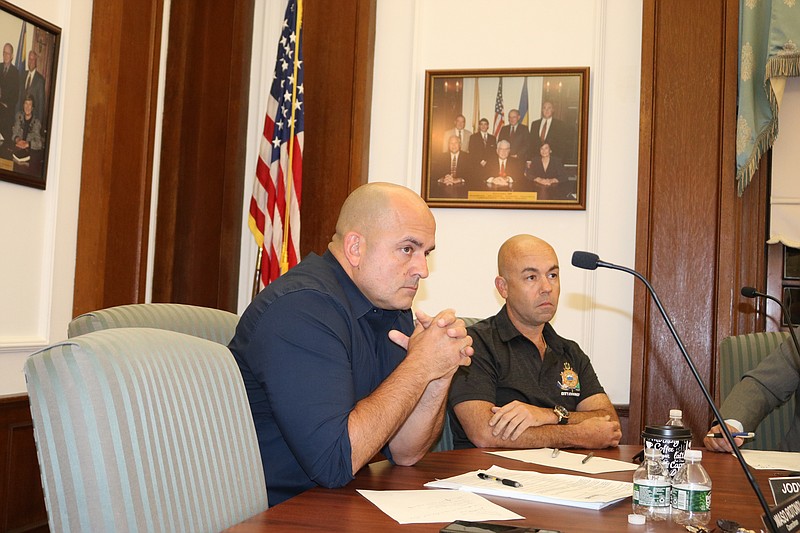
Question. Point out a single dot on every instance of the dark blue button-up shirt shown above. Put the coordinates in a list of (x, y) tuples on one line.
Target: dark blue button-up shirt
[(309, 347)]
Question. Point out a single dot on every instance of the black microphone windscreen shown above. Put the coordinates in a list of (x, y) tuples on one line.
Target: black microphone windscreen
[(749, 292), (585, 260)]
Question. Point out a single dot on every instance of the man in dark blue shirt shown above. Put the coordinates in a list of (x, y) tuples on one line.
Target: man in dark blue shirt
[(334, 369)]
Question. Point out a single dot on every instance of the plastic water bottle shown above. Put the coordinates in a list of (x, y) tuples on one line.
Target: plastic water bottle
[(675, 418), (691, 492), (651, 487)]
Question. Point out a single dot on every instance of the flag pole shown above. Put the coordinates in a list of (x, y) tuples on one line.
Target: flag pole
[(290, 176), (476, 108), (257, 277)]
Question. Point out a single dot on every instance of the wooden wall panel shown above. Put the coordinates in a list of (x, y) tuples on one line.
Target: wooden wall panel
[(203, 153), (21, 495), (696, 241), (116, 173), (338, 49)]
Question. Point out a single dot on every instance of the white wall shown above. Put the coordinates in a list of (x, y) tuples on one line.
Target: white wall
[(38, 228), (414, 36)]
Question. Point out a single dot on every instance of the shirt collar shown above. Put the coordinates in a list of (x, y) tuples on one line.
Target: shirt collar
[(359, 304), (507, 330)]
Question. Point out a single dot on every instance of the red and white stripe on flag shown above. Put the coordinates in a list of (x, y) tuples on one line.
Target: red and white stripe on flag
[(282, 137), (499, 112)]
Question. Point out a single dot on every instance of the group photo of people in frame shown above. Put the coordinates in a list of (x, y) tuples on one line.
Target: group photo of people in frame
[(506, 139), (26, 85)]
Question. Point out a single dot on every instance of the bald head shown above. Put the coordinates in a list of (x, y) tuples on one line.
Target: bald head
[(517, 246), (528, 280), (383, 237), (374, 206)]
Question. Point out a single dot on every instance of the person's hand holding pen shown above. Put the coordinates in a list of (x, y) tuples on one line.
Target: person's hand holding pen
[(721, 444)]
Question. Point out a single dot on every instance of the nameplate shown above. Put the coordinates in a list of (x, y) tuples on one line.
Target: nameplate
[(502, 196), (787, 515), (784, 488)]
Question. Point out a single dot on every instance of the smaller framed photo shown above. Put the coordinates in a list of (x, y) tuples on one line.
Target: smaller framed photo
[(27, 84)]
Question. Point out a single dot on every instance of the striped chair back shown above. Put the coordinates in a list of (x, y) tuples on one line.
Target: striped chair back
[(204, 322), (143, 430), (445, 441), (739, 354)]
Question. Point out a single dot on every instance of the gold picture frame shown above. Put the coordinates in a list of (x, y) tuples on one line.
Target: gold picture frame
[(506, 138), (27, 91)]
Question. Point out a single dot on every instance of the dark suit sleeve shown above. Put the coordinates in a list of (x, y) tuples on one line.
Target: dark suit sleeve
[(768, 386)]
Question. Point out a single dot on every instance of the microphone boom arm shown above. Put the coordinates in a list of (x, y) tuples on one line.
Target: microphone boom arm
[(770, 523), (750, 292)]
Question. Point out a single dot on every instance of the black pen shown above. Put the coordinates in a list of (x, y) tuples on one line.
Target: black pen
[(509, 482), (589, 456)]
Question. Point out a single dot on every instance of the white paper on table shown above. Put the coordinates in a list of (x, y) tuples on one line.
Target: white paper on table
[(568, 461), (429, 506), (558, 489), (770, 460)]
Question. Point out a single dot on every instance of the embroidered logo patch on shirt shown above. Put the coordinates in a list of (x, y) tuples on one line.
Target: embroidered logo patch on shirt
[(569, 379)]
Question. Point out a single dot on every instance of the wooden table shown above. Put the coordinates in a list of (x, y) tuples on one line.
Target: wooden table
[(344, 509)]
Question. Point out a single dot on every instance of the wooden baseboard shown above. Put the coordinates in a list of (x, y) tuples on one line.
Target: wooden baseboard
[(21, 495)]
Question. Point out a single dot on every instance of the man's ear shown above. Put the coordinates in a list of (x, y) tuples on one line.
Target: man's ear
[(353, 248), (501, 286)]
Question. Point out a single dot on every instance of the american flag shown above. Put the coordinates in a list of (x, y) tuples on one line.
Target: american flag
[(282, 141), (499, 114)]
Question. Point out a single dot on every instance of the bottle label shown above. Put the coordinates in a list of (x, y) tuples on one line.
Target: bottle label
[(651, 495), (695, 501)]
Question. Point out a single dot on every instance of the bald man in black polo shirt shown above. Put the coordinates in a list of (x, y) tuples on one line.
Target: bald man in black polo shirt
[(528, 387)]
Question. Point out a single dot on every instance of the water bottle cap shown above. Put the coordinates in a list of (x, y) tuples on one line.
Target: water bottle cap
[(636, 519), (654, 453), (675, 413), (693, 455)]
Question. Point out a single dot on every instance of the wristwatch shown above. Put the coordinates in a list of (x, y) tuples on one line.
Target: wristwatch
[(562, 414)]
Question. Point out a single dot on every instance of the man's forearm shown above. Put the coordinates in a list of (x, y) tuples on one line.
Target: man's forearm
[(552, 436), (424, 424), (376, 418), (579, 416), (484, 429)]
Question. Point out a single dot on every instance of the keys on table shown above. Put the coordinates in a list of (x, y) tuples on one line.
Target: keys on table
[(725, 526)]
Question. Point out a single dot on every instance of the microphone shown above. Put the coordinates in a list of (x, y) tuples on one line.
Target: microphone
[(751, 292), (590, 261)]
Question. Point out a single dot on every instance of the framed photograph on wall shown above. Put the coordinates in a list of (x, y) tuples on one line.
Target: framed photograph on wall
[(506, 138), (27, 83)]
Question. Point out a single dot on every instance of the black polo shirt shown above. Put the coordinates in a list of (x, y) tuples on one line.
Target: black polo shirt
[(507, 366)]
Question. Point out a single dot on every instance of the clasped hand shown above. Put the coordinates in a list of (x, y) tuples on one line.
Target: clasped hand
[(511, 420), (500, 181), (450, 180), (442, 341)]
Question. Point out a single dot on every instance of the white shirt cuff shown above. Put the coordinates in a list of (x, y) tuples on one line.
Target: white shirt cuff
[(735, 423)]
